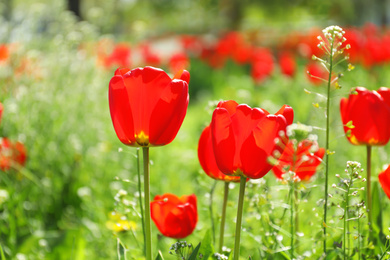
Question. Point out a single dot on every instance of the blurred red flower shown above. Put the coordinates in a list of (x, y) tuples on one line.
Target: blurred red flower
[(207, 158), (174, 217), (369, 112), (178, 62), (287, 64), (149, 57), (384, 180), (315, 73), (147, 107), (302, 159), (11, 154), (119, 57), (262, 64), (4, 53), (244, 138)]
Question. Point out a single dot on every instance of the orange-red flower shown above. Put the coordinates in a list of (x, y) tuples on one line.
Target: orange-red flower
[(147, 107), (11, 154), (207, 158), (384, 180), (302, 159), (369, 112), (4, 53), (175, 217), (244, 138)]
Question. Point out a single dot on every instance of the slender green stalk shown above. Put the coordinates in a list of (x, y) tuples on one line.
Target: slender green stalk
[(368, 192), (359, 242), (223, 217), (148, 229), (140, 200), (327, 141), (211, 210), (296, 211), (292, 202), (346, 221), (239, 218)]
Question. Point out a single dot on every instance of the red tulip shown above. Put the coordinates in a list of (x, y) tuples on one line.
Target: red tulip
[(287, 64), (11, 154), (147, 107), (369, 112), (244, 138), (174, 217), (262, 64), (300, 159), (207, 158), (384, 180)]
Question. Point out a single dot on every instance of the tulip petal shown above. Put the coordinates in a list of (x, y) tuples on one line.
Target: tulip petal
[(120, 111), (224, 144), (384, 180), (173, 102)]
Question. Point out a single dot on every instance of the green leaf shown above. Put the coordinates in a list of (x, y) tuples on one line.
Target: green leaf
[(207, 248), (377, 237), (194, 253), (2, 253), (159, 256)]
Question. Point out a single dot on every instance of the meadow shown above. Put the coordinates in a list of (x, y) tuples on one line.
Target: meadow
[(76, 196)]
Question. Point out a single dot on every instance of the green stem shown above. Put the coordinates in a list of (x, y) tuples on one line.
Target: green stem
[(140, 200), (292, 217), (239, 218), (211, 210), (223, 217), (368, 194), (148, 229), (327, 142), (345, 221), (359, 243)]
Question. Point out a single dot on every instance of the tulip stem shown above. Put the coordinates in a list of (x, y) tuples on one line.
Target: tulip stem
[(292, 205), (211, 210), (148, 229), (368, 192), (140, 200), (239, 218), (327, 140), (223, 217)]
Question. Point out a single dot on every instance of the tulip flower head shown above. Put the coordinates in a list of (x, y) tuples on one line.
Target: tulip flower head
[(147, 107), (366, 116), (207, 158), (244, 138), (174, 217), (384, 180)]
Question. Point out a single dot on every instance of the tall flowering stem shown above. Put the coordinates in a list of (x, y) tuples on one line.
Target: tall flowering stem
[(236, 252), (332, 47), (148, 226), (368, 191), (140, 200)]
